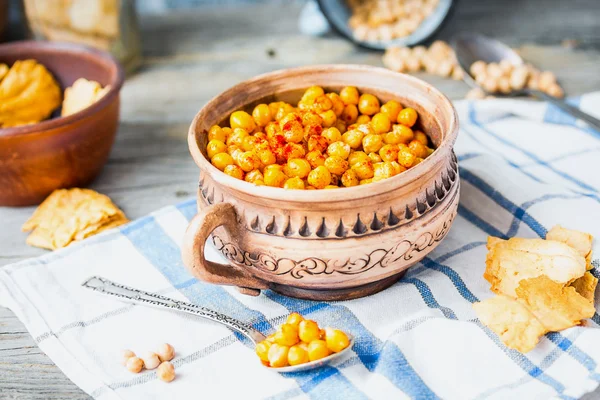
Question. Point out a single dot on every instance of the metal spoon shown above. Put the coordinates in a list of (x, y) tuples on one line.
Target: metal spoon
[(471, 47), (136, 296)]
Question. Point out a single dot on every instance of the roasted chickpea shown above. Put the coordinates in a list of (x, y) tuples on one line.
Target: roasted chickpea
[(328, 117), (336, 340), (353, 138), (248, 161), (261, 114), (349, 114), (375, 158), (407, 117), (400, 134), (294, 319), (262, 350), (274, 107), (363, 119), (340, 125), (241, 119), (216, 133), (336, 165), (331, 135), (272, 129), (366, 181), (349, 95), (298, 167), (235, 171), (372, 143), (293, 150), (318, 143), (312, 93), (278, 355), (322, 104), (384, 171), (315, 158), (368, 104), (308, 330), (215, 147), (266, 157), (363, 169), (317, 349), (406, 158), (418, 149), (391, 110), (274, 177), (221, 160), (397, 167), (250, 143), (310, 118), (339, 149), (236, 138), (319, 177), (389, 152), (286, 335), (253, 176), (381, 123), (297, 355), (349, 178), (338, 104), (293, 131), (294, 183), (331, 186), (284, 110), (357, 156), (421, 137)]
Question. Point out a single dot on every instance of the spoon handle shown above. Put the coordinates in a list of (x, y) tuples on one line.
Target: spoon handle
[(136, 296), (569, 109)]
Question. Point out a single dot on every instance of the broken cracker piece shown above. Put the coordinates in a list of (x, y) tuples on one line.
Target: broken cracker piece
[(580, 241), (556, 306), (586, 286), (82, 94), (516, 327)]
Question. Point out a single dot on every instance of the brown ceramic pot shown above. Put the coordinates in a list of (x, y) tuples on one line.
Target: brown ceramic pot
[(62, 151), (323, 244)]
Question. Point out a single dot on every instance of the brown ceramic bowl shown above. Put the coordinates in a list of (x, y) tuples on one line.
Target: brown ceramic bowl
[(62, 151), (323, 244)]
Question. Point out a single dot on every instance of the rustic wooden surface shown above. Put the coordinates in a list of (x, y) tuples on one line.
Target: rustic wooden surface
[(192, 56)]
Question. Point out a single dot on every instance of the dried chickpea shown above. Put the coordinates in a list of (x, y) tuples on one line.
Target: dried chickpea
[(349, 178), (407, 117), (215, 147), (319, 177), (221, 160), (363, 169), (151, 360), (349, 95), (166, 372), (308, 330), (418, 149), (389, 152), (297, 355), (353, 138), (372, 143), (274, 177), (262, 350), (363, 119), (337, 102), (286, 335), (241, 119), (336, 340), (235, 171), (135, 364), (349, 114), (332, 135), (421, 137), (216, 133), (339, 149), (165, 352), (391, 110), (261, 114), (315, 158), (478, 68), (294, 183), (368, 104), (406, 158), (298, 167), (236, 138), (328, 117), (248, 161), (358, 156), (375, 158), (317, 349), (336, 165), (126, 355), (278, 355), (294, 319), (381, 123), (318, 143)]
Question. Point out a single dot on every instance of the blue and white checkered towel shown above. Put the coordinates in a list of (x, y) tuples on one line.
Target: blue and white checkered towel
[(524, 167)]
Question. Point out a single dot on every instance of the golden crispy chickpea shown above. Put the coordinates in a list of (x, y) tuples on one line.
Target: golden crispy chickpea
[(317, 349), (315, 158), (266, 157), (318, 143), (298, 167), (310, 118), (293, 131), (270, 338), (135, 364), (375, 158), (358, 156), (405, 156), (322, 104), (339, 149), (328, 117), (391, 110), (331, 186), (235, 171), (407, 117), (353, 138), (232, 149), (241, 119), (332, 135), (294, 183), (215, 147), (310, 187), (368, 104), (421, 137), (319, 177), (278, 355), (297, 355), (235, 154), (150, 360), (166, 372), (293, 150), (272, 129), (126, 355), (248, 161), (261, 114), (217, 133), (363, 169), (312, 93), (349, 114), (372, 143), (349, 178), (294, 319), (418, 160), (400, 134), (336, 340), (381, 123), (221, 160), (337, 103), (389, 152), (165, 352), (365, 181), (284, 110), (286, 335), (236, 138), (363, 119), (336, 165), (308, 330), (262, 350), (253, 176), (418, 149), (397, 167), (386, 170), (274, 177), (349, 95), (250, 143), (340, 125), (259, 182)]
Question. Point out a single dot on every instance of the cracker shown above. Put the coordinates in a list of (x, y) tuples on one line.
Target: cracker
[(580, 241), (586, 286), (82, 94)]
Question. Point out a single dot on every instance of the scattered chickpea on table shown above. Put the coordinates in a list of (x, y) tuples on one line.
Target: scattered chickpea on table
[(299, 341), (159, 360), (328, 141)]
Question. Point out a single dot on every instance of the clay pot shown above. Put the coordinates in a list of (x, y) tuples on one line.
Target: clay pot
[(323, 244), (62, 151)]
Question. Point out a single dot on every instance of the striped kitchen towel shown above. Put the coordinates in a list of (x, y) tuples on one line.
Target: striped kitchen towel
[(525, 167)]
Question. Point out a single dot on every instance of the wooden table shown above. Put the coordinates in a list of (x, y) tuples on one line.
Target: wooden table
[(192, 56)]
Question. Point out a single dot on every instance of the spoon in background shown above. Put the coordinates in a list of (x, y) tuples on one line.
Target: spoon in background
[(136, 296), (471, 47)]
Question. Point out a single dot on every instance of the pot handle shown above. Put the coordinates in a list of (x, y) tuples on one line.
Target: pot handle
[(196, 235)]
